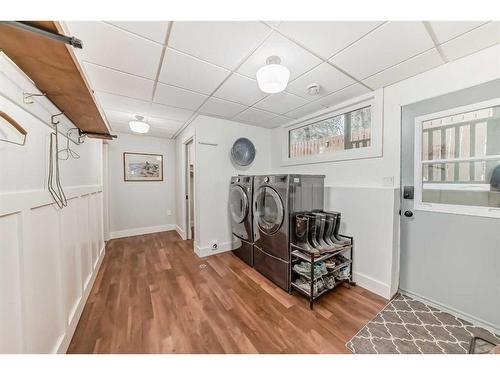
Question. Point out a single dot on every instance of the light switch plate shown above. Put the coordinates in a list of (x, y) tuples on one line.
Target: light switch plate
[(388, 181)]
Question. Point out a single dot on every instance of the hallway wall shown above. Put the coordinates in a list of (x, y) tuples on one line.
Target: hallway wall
[(140, 207)]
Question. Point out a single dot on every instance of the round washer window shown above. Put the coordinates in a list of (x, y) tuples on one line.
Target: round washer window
[(238, 203), (269, 210)]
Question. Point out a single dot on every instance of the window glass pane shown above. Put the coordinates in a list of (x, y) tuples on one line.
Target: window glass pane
[(341, 132), (461, 159)]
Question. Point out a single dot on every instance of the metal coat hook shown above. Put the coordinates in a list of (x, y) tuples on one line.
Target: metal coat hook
[(28, 95), (53, 120)]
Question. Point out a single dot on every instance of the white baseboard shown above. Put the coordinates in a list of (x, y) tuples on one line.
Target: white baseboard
[(70, 331), (372, 285), (139, 231), (203, 251), (181, 232), (474, 320)]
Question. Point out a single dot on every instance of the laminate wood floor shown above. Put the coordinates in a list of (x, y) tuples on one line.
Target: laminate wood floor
[(154, 295)]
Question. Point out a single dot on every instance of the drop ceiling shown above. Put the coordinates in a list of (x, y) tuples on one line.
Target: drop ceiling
[(170, 72)]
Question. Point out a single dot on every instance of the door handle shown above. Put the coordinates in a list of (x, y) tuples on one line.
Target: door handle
[(408, 214)]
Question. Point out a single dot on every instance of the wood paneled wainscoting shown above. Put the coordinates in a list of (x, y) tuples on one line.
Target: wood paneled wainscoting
[(49, 259), (154, 295)]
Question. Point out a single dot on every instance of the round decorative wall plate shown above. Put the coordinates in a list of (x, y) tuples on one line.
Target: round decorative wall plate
[(243, 152)]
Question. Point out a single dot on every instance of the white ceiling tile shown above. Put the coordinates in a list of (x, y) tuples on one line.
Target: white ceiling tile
[(345, 94), (255, 116), (295, 58), (184, 71), (329, 78), (177, 97), (305, 110), (240, 89), (278, 121), (172, 113), (406, 69), (281, 103), (107, 45), (388, 45), (122, 103), (446, 30), (327, 37), (115, 82), (476, 40), (153, 132), (164, 124), (154, 30), (120, 120), (220, 107), (273, 23), (114, 116), (224, 43)]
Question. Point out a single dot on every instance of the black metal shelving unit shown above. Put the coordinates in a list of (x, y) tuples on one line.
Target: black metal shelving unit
[(297, 254)]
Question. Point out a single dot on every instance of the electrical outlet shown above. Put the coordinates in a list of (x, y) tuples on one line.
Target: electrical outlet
[(214, 244), (169, 212)]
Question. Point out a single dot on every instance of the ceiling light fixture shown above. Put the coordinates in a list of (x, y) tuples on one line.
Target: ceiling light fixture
[(138, 125), (273, 77)]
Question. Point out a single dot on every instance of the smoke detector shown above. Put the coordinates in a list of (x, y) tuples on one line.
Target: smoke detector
[(313, 89)]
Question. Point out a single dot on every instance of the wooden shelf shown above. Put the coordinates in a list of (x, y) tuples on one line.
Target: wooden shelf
[(55, 71)]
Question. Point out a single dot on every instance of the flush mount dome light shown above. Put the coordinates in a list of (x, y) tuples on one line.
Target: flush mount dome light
[(138, 125), (273, 77)]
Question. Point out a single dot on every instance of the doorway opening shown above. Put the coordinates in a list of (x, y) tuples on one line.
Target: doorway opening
[(190, 190)]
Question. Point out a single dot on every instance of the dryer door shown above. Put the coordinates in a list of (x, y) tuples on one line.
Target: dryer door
[(269, 210), (238, 209)]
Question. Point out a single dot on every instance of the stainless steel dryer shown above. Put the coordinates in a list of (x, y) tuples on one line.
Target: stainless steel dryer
[(276, 198), (240, 212)]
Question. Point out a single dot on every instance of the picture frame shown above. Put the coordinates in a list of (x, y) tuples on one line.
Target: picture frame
[(142, 167)]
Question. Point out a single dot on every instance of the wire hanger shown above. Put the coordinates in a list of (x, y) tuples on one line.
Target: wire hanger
[(57, 192), (67, 152), (16, 126)]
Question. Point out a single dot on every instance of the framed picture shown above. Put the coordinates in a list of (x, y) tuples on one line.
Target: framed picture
[(142, 167)]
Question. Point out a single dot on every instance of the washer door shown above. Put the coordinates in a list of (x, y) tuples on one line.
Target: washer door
[(269, 211), (238, 204)]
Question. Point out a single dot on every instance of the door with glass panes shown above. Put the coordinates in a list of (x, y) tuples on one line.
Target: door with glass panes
[(450, 203)]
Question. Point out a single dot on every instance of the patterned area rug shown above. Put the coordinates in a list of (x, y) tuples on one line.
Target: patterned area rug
[(407, 326)]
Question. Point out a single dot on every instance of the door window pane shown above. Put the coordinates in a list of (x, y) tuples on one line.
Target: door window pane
[(460, 159), (346, 131)]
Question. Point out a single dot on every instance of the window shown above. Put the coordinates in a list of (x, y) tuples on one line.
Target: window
[(350, 130), (340, 132), (459, 158)]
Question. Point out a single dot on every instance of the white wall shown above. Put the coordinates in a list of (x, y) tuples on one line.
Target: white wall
[(367, 190), (213, 170), (141, 207), (48, 257)]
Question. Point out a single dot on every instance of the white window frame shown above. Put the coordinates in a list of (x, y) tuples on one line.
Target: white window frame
[(373, 99), (417, 175)]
